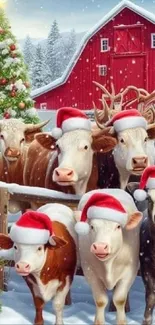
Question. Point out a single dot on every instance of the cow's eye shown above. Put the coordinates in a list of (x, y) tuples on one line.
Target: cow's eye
[(39, 248), (15, 247), (118, 227), (2, 136), (58, 148), (85, 147), (145, 140), (91, 227), (22, 140), (122, 141)]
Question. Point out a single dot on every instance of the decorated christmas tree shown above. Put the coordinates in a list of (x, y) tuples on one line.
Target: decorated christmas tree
[(15, 100)]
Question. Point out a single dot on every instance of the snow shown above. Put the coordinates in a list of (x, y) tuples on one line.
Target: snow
[(118, 8), (17, 304), (38, 191)]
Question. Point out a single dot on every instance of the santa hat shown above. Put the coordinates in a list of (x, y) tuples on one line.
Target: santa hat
[(34, 228), (101, 206), (69, 119), (147, 181), (127, 119)]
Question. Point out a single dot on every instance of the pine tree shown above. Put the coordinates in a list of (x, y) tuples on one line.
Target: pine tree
[(15, 100), (46, 72), (70, 48), (28, 51), (53, 37), (37, 69)]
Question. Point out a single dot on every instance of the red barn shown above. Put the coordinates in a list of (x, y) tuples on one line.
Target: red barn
[(120, 48)]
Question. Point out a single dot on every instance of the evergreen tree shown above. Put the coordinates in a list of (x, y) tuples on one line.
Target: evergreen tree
[(15, 100), (53, 37), (37, 69), (70, 48), (46, 72), (29, 52)]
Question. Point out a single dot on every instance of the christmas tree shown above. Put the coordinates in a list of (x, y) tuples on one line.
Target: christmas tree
[(15, 100)]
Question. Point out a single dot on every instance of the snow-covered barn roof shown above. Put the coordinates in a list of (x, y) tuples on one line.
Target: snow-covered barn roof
[(117, 9)]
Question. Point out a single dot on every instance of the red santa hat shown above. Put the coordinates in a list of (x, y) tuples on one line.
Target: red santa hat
[(69, 119), (147, 181), (101, 206), (34, 228), (127, 119)]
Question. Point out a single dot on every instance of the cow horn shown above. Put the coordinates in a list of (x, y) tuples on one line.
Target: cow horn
[(33, 127)]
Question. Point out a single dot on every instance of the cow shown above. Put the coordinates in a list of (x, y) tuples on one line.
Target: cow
[(15, 138), (47, 264), (135, 143), (110, 254), (68, 164), (144, 195)]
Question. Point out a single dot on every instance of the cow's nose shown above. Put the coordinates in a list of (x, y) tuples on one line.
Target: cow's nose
[(63, 174), (22, 267), (139, 162), (100, 248)]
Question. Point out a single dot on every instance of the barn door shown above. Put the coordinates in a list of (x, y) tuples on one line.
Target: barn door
[(129, 70), (128, 39)]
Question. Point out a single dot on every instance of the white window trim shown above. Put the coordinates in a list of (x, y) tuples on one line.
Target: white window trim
[(105, 39), (43, 106), (100, 67), (152, 35)]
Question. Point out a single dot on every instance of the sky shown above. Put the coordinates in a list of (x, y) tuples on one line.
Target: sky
[(34, 17)]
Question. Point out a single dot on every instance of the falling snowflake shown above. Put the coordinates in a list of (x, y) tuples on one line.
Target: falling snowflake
[(133, 61)]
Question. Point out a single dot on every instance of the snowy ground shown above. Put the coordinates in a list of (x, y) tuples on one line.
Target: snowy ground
[(18, 306)]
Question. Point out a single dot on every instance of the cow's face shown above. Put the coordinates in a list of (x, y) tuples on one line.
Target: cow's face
[(131, 151), (75, 156), (28, 258), (13, 134), (106, 237)]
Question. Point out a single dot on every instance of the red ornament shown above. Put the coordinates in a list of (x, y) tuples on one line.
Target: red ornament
[(13, 93), (6, 115), (12, 47), (3, 81)]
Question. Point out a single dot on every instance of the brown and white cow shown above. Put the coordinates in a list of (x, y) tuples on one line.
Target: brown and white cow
[(68, 164), (47, 269), (15, 138), (110, 254), (134, 151)]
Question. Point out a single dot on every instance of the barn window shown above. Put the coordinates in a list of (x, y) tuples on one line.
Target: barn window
[(102, 70), (104, 44), (43, 106), (153, 40)]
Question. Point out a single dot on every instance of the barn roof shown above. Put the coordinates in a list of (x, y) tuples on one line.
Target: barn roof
[(117, 9)]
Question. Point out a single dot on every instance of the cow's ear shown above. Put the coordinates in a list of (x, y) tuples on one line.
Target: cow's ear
[(57, 242), (30, 136), (5, 242), (46, 141), (103, 143), (131, 187), (134, 220), (151, 131)]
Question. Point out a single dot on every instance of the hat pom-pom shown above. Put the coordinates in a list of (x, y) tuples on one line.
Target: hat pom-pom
[(56, 133), (140, 195), (82, 228)]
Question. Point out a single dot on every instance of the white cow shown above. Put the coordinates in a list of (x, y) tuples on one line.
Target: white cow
[(110, 255), (134, 151)]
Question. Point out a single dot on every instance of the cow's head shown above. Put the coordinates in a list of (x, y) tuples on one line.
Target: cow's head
[(13, 134), (75, 155), (106, 237), (132, 151), (28, 258)]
